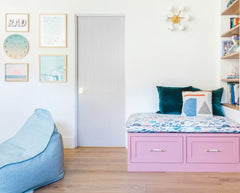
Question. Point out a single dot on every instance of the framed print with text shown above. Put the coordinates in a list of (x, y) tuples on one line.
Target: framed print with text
[(17, 22)]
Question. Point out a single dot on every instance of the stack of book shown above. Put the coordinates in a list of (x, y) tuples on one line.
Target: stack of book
[(234, 22), (233, 94), (233, 77)]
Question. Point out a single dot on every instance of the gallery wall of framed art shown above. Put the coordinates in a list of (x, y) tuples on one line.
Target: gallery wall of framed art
[(20, 98), (52, 37)]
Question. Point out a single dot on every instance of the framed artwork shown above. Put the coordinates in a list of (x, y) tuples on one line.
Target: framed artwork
[(53, 30), (53, 68), (17, 22), (226, 45), (16, 72), (16, 46)]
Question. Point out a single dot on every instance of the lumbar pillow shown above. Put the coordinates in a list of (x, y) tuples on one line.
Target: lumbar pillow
[(170, 99), (216, 100), (197, 103)]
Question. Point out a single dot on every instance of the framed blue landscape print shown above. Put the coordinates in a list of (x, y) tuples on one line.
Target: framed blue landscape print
[(16, 72), (53, 68)]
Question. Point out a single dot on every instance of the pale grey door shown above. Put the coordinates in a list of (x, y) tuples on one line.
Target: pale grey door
[(101, 80)]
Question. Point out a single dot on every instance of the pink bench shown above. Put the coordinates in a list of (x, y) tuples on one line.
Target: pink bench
[(182, 151)]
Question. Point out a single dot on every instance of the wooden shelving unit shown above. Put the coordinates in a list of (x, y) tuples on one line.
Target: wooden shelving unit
[(231, 56), (231, 106), (230, 80), (233, 9), (231, 32)]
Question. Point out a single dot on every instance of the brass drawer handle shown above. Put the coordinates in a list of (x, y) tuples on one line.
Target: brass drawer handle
[(213, 150), (157, 150)]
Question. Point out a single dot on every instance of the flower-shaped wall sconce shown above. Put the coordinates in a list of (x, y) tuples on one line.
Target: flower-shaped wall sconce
[(176, 19)]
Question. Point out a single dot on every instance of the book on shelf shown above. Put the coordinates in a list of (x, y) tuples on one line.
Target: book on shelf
[(232, 76), (233, 94), (234, 22), (230, 3)]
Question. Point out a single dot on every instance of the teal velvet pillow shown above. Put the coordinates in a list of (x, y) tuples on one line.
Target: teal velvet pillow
[(216, 101), (170, 99)]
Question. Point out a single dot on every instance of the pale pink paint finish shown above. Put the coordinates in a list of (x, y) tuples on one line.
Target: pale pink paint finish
[(183, 152), (213, 149), (157, 149)]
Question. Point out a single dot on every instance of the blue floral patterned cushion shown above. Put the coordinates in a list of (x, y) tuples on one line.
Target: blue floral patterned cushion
[(156, 123)]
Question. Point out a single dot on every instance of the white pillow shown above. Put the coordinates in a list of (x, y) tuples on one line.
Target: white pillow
[(198, 103)]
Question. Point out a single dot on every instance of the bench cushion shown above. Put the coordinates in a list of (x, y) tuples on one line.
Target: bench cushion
[(156, 123)]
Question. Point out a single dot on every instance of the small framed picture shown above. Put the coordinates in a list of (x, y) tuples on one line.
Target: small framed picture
[(53, 68), (16, 72), (17, 22), (53, 30), (226, 45)]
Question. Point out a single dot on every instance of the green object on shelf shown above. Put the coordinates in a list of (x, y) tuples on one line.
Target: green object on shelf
[(230, 2)]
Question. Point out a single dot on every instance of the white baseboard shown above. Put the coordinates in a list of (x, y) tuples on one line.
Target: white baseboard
[(68, 142)]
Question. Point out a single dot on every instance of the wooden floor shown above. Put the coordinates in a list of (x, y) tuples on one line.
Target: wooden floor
[(104, 170)]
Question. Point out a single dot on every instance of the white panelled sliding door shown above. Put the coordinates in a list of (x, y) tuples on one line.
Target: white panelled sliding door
[(101, 80)]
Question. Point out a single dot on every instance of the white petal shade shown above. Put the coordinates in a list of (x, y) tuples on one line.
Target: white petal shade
[(170, 27), (181, 27), (181, 8), (165, 17), (187, 17), (170, 8)]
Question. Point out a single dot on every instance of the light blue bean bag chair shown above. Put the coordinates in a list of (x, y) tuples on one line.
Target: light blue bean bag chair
[(33, 157)]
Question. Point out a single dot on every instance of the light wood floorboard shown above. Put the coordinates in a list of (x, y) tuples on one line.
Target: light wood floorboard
[(104, 170)]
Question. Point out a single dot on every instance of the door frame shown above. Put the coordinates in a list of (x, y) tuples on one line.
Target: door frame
[(76, 64)]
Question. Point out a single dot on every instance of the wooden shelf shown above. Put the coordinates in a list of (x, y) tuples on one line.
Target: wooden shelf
[(231, 106), (231, 32), (230, 80), (231, 56), (232, 9)]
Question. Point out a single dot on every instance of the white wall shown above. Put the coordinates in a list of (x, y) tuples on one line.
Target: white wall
[(155, 56)]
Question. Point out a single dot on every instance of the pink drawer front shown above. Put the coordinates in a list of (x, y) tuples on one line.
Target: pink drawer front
[(213, 149), (157, 149)]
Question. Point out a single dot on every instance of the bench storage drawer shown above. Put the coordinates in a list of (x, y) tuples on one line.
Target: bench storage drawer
[(157, 149), (213, 149)]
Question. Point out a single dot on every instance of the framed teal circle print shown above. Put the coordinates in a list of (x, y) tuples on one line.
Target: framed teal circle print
[(16, 46)]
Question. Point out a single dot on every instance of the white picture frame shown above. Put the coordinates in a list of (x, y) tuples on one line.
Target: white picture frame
[(17, 22), (53, 30)]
